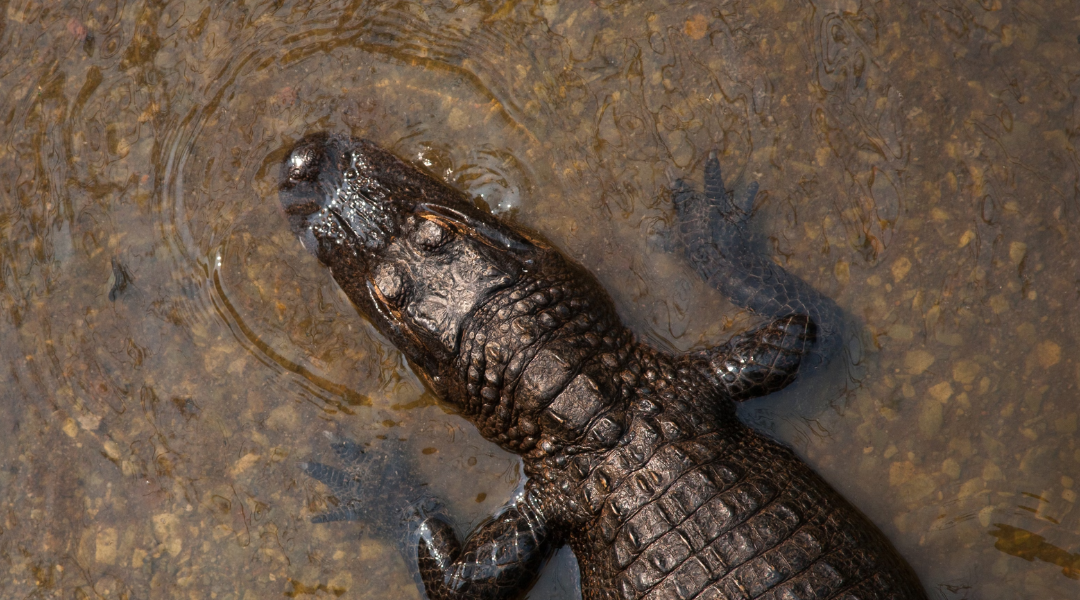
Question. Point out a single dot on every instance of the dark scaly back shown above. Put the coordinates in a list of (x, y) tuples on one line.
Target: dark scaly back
[(689, 503)]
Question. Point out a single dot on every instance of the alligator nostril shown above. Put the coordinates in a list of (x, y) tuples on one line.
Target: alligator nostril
[(304, 161), (302, 164)]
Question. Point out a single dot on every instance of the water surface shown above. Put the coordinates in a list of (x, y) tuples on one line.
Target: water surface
[(169, 352)]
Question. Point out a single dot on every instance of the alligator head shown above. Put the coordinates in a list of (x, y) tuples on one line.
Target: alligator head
[(495, 321)]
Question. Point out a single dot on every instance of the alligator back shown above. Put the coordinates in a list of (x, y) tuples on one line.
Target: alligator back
[(727, 514)]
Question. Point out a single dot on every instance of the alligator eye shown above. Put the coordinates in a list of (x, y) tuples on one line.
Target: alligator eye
[(431, 234), (389, 282)]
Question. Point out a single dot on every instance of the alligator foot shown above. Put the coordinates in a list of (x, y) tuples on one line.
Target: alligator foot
[(383, 467), (346, 485), (714, 228)]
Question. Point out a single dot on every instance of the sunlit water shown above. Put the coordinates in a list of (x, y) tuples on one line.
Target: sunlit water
[(169, 352)]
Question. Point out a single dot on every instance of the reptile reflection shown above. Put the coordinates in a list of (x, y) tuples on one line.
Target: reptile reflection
[(634, 457)]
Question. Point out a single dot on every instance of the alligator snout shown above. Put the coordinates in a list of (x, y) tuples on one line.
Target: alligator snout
[(332, 195)]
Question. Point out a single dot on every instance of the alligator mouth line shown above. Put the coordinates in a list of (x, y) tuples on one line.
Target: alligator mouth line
[(345, 226), (302, 209)]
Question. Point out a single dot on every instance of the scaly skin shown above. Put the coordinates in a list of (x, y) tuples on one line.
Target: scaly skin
[(634, 457)]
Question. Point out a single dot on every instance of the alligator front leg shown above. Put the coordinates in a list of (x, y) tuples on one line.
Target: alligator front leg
[(499, 561), (714, 228), (759, 362)]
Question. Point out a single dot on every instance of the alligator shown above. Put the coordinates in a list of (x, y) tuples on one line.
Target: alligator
[(634, 457)]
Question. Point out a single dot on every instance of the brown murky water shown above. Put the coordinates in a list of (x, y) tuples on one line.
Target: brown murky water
[(169, 352)]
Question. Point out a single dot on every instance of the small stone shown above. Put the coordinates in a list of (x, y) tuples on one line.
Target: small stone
[(283, 418), (998, 304), (1026, 332), (89, 422), (970, 487), (951, 468), (941, 392), (340, 583), (930, 419), (900, 268), (1066, 424), (949, 339), (917, 361), (1048, 354), (244, 463), (842, 272), (920, 486), (237, 366), (457, 120), (105, 546), (1017, 252), (966, 238), (371, 549), (901, 332), (965, 371), (167, 532), (112, 450), (696, 27), (900, 472)]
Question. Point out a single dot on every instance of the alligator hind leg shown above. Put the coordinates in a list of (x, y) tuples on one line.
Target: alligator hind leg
[(715, 230)]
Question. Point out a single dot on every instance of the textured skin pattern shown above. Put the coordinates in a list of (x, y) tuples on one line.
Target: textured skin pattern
[(634, 457), (505, 559)]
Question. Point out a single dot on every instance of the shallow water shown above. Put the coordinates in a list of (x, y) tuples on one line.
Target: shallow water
[(169, 352)]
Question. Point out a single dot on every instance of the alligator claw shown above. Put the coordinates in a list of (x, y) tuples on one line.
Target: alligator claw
[(747, 205), (715, 192), (350, 511), (721, 211), (345, 486)]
